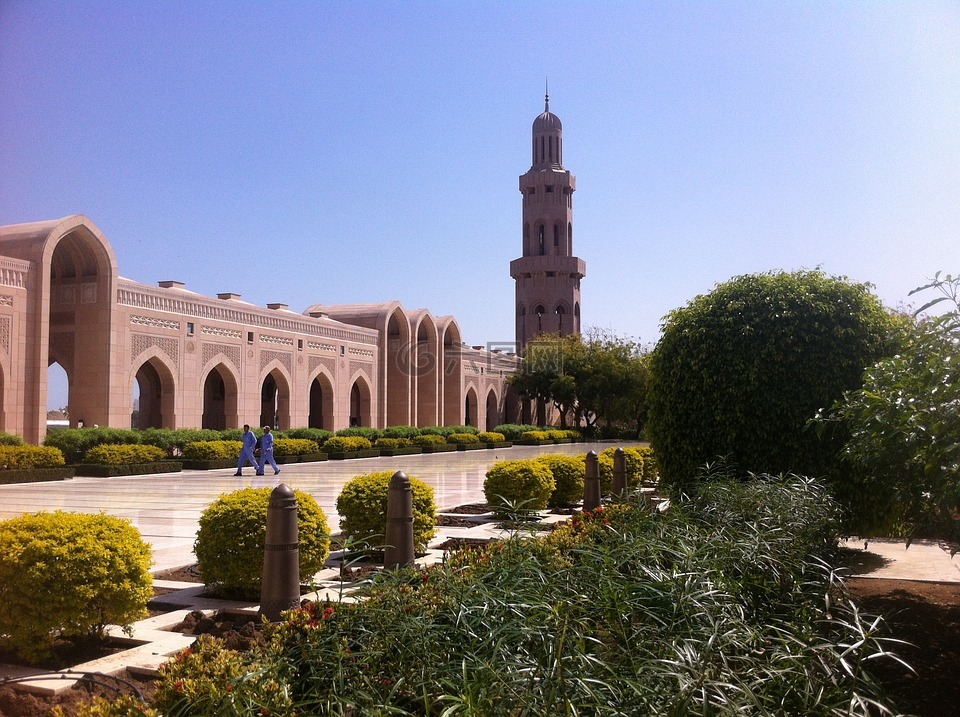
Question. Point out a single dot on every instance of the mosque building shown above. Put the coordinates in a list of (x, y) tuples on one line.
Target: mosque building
[(219, 362)]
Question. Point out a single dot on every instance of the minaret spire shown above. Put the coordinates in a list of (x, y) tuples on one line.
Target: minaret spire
[(546, 95)]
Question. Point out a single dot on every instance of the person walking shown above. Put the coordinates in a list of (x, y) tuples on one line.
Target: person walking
[(266, 452), (249, 439)]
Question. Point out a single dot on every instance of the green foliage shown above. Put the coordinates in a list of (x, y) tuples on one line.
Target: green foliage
[(526, 484), (213, 450), (294, 447), (634, 461), (345, 444), (233, 531), (9, 439), (400, 432), (75, 442), (720, 606), (491, 437), (69, 575), (371, 434), (124, 454), (317, 435), (569, 474), (601, 377), (463, 438), (362, 505), (429, 439), (13, 457), (390, 443), (447, 430), (904, 432), (513, 431), (173, 441), (739, 372)]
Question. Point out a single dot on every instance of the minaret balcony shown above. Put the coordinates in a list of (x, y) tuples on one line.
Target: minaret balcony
[(572, 265)]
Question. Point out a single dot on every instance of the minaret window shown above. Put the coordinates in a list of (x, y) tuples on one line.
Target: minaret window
[(560, 313), (540, 238), (540, 312), (556, 238)]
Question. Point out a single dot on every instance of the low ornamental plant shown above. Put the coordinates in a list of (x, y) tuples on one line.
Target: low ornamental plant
[(721, 605), (317, 435), (346, 444), (513, 431), (463, 438), (526, 484), (69, 575), (233, 531), (294, 447), (390, 443), (362, 505), (13, 457), (212, 450), (569, 475), (429, 439), (491, 437), (124, 454), (10, 439)]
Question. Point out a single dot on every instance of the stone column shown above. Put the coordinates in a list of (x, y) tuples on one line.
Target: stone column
[(399, 538), (591, 486)]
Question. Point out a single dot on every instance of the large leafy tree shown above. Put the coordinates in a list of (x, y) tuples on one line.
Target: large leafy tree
[(739, 372), (904, 430), (599, 378)]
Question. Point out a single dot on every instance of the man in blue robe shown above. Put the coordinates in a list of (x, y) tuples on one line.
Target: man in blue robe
[(249, 439)]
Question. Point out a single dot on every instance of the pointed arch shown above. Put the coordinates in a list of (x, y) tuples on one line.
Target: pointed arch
[(220, 398), (321, 403), (360, 404), (493, 410), (451, 346), (425, 367), (155, 373), (275, 396), (470, 412)]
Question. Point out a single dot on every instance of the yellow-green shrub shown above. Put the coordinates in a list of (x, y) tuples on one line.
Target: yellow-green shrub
[(569, 474), (429, 439), (525, 484), (345, 444), (557, 434), (492, 437), (463, 438), (233, 531), (294, 447), (69, 575), (212, 450), (12, 457), (118, 454), (394, 443), (535, 436), (362, 505), (634, 464), (650, 469)]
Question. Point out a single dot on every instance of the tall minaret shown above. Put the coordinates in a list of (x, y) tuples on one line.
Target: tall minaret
[(547, 274)]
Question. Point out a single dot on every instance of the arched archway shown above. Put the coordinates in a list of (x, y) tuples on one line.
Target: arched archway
[(398, 370), (452, 375), (360, 403), (426, 364), (321, 403), (275, 400), (157, 395), (470, 417), (493, 410), (219, 399)]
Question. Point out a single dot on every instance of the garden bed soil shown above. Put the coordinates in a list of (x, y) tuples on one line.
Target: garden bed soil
[(926, 615)]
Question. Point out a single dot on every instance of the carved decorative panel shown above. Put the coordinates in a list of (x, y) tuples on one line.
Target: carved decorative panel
[(142, 342), (231, 352), (283, 357)]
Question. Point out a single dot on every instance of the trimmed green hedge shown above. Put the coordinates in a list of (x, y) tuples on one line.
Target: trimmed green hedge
[(123, 454)]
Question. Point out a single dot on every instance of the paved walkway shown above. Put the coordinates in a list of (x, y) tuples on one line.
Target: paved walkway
[(925, 560), (166, 507)]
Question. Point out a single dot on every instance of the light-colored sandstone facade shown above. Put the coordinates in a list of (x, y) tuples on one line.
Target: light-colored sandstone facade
[(219, 362), (547, 274)]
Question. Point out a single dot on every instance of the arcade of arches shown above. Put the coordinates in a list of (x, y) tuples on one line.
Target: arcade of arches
[(219, 362)]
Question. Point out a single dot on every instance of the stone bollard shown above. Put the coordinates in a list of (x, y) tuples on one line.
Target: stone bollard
[(280, 589), (399, 537), (591, 486), (620, 473)]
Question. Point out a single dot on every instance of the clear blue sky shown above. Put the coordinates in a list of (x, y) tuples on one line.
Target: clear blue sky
[(308, 152)]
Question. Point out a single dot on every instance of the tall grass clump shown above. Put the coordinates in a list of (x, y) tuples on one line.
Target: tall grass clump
[(723, 604)]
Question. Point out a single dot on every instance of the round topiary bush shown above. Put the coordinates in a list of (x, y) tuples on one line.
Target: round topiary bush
[(13, 457), (362, 505), (69, 575), (569, 474), (233, 530), (521, 484), (739, 372)]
